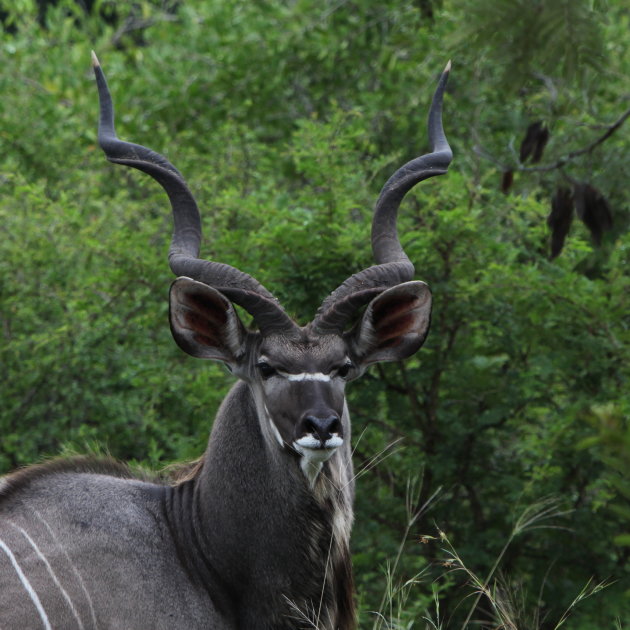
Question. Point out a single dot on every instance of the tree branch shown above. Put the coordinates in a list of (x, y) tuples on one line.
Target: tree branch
[(610, 130)]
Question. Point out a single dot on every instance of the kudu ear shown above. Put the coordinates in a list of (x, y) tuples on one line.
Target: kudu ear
[(394, 325), (204, 322)]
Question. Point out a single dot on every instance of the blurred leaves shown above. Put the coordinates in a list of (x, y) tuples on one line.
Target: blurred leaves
[(557, 38), (612, 438)]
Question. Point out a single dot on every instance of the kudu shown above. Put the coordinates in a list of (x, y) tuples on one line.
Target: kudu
[(257, 535)]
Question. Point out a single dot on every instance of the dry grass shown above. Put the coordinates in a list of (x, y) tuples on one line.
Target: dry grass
[(503, 601)]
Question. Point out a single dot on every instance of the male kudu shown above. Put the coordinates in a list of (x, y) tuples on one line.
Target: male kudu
[(257, 537)]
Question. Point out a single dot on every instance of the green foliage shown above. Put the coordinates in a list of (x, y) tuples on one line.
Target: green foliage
[(286, 117), (553, 37), (613, 439)]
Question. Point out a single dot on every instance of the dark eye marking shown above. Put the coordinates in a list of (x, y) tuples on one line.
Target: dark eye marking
[(344, 370), (266, 371)]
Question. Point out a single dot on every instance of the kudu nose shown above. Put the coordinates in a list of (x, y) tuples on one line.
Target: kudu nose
[(322, 428)]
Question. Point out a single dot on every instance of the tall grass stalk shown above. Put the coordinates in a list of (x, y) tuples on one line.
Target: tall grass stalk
[(588, 590), (392, 591), (507, 601), (535, 516)]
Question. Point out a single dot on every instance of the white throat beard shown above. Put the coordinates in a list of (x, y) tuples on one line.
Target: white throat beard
[(312, 456)]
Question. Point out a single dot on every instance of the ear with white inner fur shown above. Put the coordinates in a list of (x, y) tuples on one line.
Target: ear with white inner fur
[(394, 325), (204, 322)]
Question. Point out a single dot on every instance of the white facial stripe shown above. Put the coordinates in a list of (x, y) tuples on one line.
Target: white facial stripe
[(274, 428), (27, 586), (307, 376)]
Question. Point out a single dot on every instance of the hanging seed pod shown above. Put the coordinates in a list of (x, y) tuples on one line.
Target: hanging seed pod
[(560, 218), (541, 141), (593, 209), (529, 141), (534, 141), (507, 179)]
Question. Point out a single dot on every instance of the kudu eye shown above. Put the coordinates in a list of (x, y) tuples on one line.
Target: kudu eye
[(344, 370), (265, 369)]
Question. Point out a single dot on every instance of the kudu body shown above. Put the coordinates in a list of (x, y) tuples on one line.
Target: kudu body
[(257, 536)]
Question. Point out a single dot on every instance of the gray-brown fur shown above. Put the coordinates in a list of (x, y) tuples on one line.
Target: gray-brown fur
[(256, 534), (21, 478)]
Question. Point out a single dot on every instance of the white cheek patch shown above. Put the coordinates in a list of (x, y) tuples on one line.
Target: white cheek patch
[(307, 376)]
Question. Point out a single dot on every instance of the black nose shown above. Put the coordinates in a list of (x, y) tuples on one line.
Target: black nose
[(322, 428)]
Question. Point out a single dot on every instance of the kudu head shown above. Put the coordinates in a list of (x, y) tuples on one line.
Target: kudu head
[(297, 374)]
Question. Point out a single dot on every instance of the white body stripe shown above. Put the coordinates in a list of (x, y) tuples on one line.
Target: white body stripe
[(74, 569), (308, 376), (52, 575), (27, 585)]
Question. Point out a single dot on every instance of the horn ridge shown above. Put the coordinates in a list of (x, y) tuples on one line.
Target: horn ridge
[(341, 305), (386, 245), (237, 285), (393, 265)]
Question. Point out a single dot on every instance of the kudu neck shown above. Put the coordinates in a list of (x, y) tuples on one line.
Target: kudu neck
[(250, 516)]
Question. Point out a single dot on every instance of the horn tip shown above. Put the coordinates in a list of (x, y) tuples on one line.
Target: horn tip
[(448, 67), (95, 62)]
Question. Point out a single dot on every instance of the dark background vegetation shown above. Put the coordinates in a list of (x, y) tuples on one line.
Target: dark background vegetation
[(506, 438)]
